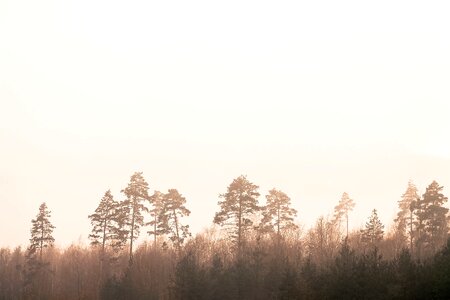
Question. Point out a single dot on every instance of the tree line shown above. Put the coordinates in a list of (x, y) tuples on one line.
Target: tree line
[(252, 251)]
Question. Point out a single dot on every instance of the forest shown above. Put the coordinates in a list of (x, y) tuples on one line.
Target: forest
[(254, 249)]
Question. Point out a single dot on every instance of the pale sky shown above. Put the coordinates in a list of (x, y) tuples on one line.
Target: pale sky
[(311, 97)]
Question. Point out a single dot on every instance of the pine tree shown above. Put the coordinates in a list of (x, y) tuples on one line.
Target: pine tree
[(106, 224), (289, 288), (404, 221), (41, 231), (405, 273), (344, 275), (432, 214), (156, 223), (137, 194), (342, 210), (173, 210), (220, 285), (277, 213), (373, 232), (37, 272), (239, 205), (190, 280)]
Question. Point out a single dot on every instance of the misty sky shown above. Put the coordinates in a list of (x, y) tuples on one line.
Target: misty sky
[(314, 99)]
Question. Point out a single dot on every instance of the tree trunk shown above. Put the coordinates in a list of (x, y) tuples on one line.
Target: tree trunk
[(419, 239), (41, 241), (102, 257), (132, 234), (154, 231), (176, 230), (278, 227), (410, 232), (104, 236), (239, 227), (346, 217)]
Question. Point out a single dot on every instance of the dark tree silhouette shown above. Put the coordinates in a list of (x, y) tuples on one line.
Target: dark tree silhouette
[(433, 225), (37, 272), (41, 231)]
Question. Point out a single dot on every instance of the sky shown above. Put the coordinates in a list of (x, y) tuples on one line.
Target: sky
[(315, 98)]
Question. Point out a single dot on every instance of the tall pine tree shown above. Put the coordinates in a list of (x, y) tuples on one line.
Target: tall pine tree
[(373, 232), (433, 225), (133, 206), (37, 273), (156, 223), (404, 230), (344, 207), (173, 210), (239, 204), (106, 224), (277, 214), (41, 231)]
